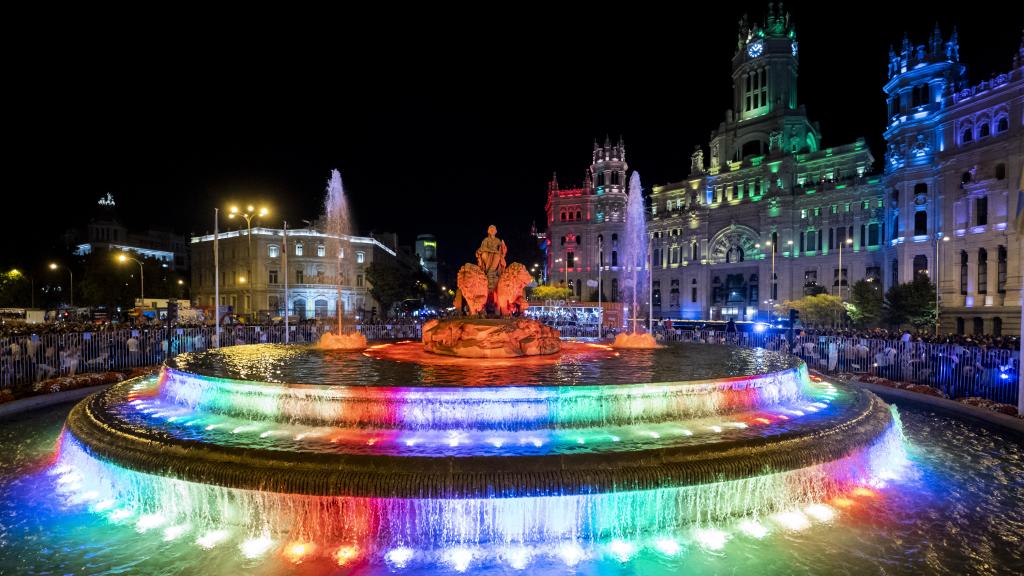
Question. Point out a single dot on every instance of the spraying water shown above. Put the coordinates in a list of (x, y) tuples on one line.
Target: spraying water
[(338, 227), (636, 248)]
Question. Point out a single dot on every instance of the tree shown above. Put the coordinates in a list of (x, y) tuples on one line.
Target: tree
[(911, 303), (390, 283), (865, 305), (550, 292), (15, 289), (820, 309)]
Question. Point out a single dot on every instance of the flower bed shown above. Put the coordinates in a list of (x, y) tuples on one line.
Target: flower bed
[(64, 383)]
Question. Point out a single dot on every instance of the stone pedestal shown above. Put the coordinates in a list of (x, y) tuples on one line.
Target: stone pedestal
[(485, 338)]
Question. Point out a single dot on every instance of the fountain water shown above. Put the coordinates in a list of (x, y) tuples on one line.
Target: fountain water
[(636, 268), (338, 226)]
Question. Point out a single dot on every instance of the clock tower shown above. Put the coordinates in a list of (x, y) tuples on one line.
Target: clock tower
[(766, 117)]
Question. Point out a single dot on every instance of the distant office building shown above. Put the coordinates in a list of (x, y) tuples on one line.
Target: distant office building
[(426, 252)]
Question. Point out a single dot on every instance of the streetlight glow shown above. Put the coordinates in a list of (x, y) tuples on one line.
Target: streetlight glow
[(53, 266)]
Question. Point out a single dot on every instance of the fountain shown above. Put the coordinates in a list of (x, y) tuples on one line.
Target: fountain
[(637, 268), (489, 443), (338, 227)]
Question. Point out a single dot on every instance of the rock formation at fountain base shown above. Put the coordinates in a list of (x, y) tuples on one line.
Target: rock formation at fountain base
[(487, 338)]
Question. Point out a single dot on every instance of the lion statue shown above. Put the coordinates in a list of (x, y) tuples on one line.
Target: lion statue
[(509, 295), (473, 287)]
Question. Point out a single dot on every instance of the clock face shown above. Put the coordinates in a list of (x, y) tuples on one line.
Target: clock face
[(755, 48)]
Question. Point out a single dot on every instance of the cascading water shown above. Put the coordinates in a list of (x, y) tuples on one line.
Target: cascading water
[(338, 227), (400, 457)]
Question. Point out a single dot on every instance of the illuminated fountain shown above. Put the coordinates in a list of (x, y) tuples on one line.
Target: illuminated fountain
[(412, 454), (638, 274), (338, 226)]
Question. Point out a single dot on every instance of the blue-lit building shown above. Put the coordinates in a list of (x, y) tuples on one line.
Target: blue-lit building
[(772, 214)]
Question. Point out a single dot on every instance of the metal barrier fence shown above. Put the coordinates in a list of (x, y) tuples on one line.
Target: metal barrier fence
[(30, 358), (958, 371)]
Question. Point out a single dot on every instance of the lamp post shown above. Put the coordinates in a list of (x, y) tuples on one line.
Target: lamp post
[(71, 281), (249, 214), (142, 276), (938, 276), (848, 242)]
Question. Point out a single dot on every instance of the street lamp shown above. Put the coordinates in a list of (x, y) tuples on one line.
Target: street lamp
[(249, 213), (848, 242), (71, 281), (938, 278), (142, 276)]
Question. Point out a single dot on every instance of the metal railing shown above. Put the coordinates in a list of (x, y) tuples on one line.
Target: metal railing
[(25, 359), (957, 371)]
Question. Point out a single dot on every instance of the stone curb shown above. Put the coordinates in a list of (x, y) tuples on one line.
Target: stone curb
[(43, 400)]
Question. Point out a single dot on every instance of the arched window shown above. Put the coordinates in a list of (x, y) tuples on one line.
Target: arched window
[(982, 271), (694, 251), (963, 272), (563, 240), (1002, 125), (579, 215), (299, 308), (997, 326), (965, 178), (615, 240), (966, 135), (920, 266), (561, 216), (979, 326), (320, 308), (920, 223), (984, 130), (959, 326)]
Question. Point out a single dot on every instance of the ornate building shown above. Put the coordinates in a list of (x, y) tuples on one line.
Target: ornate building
[(312, 272), (774, 215), (586, 223)]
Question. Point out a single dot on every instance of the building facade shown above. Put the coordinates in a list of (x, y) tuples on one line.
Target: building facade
[(954, 166), (586, 226), (105, 232), (426, 252), (314, 266), (773, 215)]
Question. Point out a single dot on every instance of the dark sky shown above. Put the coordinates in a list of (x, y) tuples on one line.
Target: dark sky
[(438, 124)]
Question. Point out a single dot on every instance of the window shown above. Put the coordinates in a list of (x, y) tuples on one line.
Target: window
[(298, 248), (920, 266), (895, 272), (694, 251), (963, 273), (966, 177), (272, 277), (873, 273), (810, 276), (570, 259), (959, 326), (298, 277), (831, 238), (320, 308), (273, 251), (966, 135), (615, 240), (360, 257), (273, 304), (359, 280), (981, 210), (675, 255), (615, 289), (920, 223), (579, 215), (1000, 171), (561, 216), (656, 293), (299, 308), (984, 130), (837, 278), (801, 241), (1002, 125), (997, 326), (615, 257), (979, 326), (982, 271), (1001, 270)]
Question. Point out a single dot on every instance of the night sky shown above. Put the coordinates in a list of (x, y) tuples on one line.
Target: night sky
[(437, 125)]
